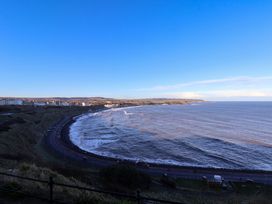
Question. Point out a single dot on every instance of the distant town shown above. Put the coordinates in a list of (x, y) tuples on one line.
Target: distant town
[(90, 101)]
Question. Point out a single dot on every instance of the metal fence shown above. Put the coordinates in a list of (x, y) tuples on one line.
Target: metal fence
[(137, 197)]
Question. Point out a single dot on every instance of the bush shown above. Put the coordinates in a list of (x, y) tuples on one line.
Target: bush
[(88, 199), (24, 167), (11, 189), (85, 199), (165, 180), (125, 176)]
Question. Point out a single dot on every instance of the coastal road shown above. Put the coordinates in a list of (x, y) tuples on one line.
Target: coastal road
[(58, 142)]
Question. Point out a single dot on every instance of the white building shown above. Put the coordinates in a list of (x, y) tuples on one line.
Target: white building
[(39, 103), (111, 105), (11, 102), (2, 102), (65, 104)]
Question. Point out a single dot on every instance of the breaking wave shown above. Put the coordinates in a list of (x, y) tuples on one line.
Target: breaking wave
[(235, 135)]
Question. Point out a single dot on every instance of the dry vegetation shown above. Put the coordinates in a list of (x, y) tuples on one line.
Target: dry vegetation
[(22, 153), (21, 132)]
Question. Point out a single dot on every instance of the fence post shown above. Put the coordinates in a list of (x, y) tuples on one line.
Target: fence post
[(138, 197), (51, 184)]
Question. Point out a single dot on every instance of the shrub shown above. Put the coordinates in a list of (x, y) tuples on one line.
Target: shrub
[(85, 199), (125, 176), (24, 167), (11, 189)]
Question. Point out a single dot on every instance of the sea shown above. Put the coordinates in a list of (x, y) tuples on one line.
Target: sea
[(231, 135)]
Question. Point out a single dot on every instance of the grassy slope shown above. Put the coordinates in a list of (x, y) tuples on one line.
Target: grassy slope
[(21, 153), (27, 127)]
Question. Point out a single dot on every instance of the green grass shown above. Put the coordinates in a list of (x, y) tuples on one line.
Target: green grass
[(87, 199), (11, 189), (252, 188), (191, 183), (60, 193), (22, 141), (4, 118)]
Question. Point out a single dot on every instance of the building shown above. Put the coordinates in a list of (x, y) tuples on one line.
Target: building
[(111, 105), (39, 103), (65, 104), (2, 102), (28, 103), (10, 101)]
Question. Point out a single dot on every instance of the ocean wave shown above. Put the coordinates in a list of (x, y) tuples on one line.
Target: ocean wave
[(211, 135)]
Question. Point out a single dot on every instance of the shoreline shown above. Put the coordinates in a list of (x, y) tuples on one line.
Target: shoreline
[(65, 136), (59, 141)]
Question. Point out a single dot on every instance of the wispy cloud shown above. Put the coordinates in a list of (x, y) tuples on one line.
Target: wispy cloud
[(232, 88), (187, 94), (240, 79), (223, 94)]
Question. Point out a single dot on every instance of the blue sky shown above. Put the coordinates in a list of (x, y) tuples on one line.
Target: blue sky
[(216, 50)]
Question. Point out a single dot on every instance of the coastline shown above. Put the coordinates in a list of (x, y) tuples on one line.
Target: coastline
[(66, 139), (63, 145)]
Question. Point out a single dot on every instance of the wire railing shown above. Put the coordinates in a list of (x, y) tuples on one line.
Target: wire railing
[(137, 197)]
